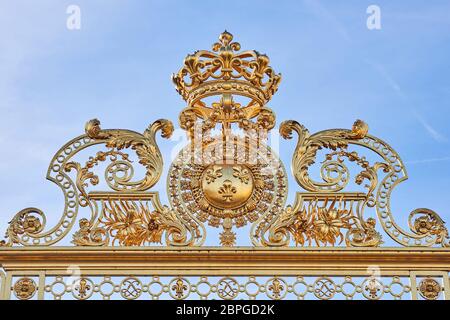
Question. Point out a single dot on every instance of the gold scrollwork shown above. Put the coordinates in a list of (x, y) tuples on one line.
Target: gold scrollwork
[(321, 218), (134, 224), (308, 145), (146, 149), (89, 236), (29, 221), (58, 175), (427, 230), (27, 227), (229, 179), (429, 222)]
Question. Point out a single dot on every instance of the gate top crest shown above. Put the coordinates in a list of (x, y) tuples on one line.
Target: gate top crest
[(228, 179)]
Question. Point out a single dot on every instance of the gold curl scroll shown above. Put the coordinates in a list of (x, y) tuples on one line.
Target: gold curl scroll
[(427, 230), (58, 175), (144, 145), (28, 226), (307, 147)]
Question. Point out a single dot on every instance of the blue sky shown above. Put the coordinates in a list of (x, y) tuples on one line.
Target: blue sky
[(117, 68)]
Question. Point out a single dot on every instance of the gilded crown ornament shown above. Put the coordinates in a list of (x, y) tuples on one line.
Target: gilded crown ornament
[(229, 179), (225, 187), (227, 73)]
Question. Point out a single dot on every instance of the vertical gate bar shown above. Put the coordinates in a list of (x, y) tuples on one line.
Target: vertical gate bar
[(446, 281), (41, 286), (2, 285), (7, 286), (412, 279)]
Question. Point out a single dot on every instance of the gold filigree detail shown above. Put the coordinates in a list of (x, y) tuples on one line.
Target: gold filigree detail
[(145, 146), (324, 288), (227, 238), (27, 222), (373, 288), (89, 236), (322, 219), (227, 190), (322, 224), (134, 224), (24, 288), (365, 236), (335, 175), (430, 289), (227, 288), (230, 179), (277, 287), (308, 145), (328, 224), (243, 192), (428, 222), (226, 74), (213, 173), (226, 71), (85, 176), (179, 287), (242, 174), (83, 288)]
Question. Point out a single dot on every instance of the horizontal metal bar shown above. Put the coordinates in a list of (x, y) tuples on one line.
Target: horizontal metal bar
[(240, 260)]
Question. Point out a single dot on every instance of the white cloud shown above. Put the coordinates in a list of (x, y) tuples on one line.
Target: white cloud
[(430, 160), (391, 82), (323, 13), (437, 136)]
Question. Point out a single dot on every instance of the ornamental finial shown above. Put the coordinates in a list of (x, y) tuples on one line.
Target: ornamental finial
[(242, 81), (225, 43)]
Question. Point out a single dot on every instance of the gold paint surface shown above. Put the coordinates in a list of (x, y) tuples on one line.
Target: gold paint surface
[(231, 188)]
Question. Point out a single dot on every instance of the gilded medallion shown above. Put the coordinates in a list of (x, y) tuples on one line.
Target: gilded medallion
[(229, 188)]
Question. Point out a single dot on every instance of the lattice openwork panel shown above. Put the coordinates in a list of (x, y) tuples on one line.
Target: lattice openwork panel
[(292, 287)]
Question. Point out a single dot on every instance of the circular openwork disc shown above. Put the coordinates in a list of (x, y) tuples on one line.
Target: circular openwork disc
[(236, 186)]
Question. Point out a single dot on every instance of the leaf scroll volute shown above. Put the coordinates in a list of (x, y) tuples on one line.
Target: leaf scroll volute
[(308, 146), (278, 233), (144, 144), (29, 222)]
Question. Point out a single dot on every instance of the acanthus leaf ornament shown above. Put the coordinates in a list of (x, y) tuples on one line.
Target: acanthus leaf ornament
[(298, 220), (88, 236), (134, 224), (308, 145), (27, 222), (144, 145)]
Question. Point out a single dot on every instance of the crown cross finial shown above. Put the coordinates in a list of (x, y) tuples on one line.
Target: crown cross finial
[(225, 43)]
